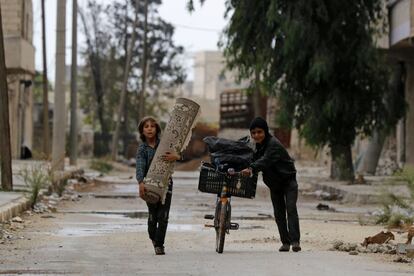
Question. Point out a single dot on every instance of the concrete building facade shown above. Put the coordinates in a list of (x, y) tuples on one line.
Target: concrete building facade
[(401, 52), (17, 18), (210, 80)]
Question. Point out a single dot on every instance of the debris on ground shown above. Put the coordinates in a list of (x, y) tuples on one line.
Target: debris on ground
[(323, 195), (9, 229), (401, 259), (17, 219), (360, 180), (403, 248), (324, 207), (410, 234), (379, 238), (272, 239), (371, 248)]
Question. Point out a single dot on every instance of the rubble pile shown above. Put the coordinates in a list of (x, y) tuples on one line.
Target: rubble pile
[(8, 230), (352, 248)]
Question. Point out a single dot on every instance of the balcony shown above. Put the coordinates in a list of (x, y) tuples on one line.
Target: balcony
[(20, 55)]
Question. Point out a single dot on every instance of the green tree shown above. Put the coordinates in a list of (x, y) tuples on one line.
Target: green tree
[(333, 74), (320, 59)]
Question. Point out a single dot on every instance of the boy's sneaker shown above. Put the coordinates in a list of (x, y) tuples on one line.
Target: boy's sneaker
[(159, 250), (284, 248), (296, 247)]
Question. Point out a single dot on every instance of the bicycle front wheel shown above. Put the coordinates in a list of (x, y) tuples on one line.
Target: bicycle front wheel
[(221, 227)]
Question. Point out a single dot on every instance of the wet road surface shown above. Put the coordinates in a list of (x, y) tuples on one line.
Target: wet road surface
[(105, 234)]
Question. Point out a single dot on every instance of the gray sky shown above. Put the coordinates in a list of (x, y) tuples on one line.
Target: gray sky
[(196, 31)]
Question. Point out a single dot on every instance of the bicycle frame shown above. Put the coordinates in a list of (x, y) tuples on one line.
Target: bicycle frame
[(222, 217), (224, 186)]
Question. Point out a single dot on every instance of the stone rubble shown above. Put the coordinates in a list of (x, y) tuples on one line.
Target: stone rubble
[(354, 248)]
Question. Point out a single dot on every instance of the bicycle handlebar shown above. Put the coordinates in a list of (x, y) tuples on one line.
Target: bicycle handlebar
[(230, 171)]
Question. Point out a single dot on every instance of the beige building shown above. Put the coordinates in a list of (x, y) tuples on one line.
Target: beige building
[(17, 18), (401, 51), (210, 79)]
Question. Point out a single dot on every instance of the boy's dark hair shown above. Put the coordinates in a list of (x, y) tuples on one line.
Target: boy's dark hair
[(259, 122), (141, 127)]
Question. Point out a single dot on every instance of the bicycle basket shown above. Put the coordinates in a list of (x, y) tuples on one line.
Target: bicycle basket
[(212, 181)]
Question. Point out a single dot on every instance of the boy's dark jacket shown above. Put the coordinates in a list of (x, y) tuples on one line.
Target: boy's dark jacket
[(273, 160)]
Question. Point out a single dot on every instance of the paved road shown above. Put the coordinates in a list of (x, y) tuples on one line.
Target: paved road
[(105, 234)]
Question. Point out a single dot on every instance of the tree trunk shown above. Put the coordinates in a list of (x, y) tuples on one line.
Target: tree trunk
[(59, 114), (373, 153), (144, 66), (46, 132), (257, 96), (95, 64), (73, 87), (5, 146), (341, 167), (124, 85)]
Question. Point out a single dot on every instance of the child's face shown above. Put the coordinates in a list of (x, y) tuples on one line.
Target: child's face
[(149, 130), (258, 135)]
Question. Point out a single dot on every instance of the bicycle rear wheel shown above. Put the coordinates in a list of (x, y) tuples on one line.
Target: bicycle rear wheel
[(221, 227)]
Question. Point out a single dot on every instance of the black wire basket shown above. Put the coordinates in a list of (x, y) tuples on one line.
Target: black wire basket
[(212, 181)]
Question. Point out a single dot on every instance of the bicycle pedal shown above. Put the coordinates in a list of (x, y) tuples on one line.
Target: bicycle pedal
[(209, 216), (209, 225), (234, 226)]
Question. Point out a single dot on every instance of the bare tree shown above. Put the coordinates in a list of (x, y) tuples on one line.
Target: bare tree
[(94, 56), (144, 66), (73, 87), (124, 84), (5, 148), (46, 134)]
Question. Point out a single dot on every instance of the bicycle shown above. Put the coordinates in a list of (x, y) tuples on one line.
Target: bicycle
[(225, 185)]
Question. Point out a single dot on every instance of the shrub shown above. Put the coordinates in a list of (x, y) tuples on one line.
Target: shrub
[(397, 211), (35, 179), (101, 165)]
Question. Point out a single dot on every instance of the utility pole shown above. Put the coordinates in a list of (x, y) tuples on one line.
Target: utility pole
[(144, 66), (46, 132), (59, 115), (124, 85), (5, 147), (73, 87)]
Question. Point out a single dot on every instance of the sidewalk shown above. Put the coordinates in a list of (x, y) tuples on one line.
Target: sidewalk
[(15, 202)]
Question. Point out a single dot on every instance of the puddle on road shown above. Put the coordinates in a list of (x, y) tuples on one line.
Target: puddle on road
[(34, 272), (118, 215), (112, 214), (113, 196), (92, 229), (132, 221), (252, 227), (260, 217)]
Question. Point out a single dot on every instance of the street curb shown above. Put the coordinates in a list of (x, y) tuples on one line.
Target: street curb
[(346, 196), (14, 208)]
